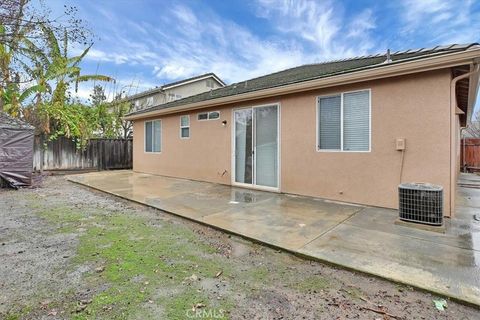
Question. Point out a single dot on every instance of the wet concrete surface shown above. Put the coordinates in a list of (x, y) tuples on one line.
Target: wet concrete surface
[(359, 238)]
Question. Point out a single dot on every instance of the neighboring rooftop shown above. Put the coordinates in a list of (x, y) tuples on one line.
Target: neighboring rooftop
[(9, 122), (311, 72), (175, 84)]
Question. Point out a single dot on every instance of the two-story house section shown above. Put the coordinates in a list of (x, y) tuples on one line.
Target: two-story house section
[(176, 90)]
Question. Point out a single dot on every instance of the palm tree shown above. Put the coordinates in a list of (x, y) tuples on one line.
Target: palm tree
[(55, 73), (62, 70), (11, 93)]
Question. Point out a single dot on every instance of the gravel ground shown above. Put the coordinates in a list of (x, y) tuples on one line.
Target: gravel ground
[(67, 252)]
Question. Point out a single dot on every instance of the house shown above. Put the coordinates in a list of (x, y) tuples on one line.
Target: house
[(16, 152), (176, 90), (348, 130)]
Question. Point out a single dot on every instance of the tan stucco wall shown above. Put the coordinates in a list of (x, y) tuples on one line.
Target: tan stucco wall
[(192, 88), (413, 107), (184, 91)]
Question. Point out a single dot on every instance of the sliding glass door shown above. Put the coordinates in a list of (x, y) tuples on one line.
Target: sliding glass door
[(256, 146), (244, 146)]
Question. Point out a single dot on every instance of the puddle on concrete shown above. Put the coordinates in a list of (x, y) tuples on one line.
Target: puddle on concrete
[(243, 196)]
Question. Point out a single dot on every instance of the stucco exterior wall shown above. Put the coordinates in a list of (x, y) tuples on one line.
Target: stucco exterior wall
[(414, 107), (184, 90), (158, 98), (192, 88)]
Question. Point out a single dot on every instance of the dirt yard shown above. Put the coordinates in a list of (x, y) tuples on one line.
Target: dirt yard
[(67, 252)]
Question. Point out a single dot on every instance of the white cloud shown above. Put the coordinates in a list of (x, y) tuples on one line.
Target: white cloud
[(187, 42), (440, 21), (184, 14), (323, 25)]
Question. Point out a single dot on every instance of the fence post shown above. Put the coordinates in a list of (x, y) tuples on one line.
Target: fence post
[(99, 154), (42, 151)]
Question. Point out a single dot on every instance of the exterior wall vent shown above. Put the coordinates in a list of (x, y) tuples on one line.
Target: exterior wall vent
[(421, 203)]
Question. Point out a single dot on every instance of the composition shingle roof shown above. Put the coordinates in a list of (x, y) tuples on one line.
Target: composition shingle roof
[(311, 72), (8, 122)]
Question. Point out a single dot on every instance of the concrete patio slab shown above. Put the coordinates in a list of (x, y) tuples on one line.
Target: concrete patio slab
[(356, 237), (283, 221)]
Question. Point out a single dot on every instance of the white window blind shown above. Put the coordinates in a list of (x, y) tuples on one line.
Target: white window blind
[(329, 123), (345, 116), (356, 121), (153, 136)]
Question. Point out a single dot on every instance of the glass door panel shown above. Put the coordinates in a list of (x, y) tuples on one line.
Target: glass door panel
[(244, 146), (266, 146)]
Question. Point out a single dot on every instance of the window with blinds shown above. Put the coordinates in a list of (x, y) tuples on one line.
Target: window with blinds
[(344, 122), (330, 123)]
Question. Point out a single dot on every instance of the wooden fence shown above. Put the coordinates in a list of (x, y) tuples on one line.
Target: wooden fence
[(100, 154), (470, 154)]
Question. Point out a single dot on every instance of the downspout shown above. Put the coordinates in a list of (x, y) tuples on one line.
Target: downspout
[(462, 141), (453, 142)]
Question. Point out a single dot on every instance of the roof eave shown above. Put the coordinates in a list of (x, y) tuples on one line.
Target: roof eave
[(383, 71), (182, 83), (472, 91)]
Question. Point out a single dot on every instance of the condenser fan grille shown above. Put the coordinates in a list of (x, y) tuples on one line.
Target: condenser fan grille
[(421, 203)]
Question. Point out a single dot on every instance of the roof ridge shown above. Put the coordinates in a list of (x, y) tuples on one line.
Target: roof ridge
[(372, 55)]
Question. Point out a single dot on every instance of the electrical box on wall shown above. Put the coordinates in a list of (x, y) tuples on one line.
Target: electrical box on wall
[(400, 144)]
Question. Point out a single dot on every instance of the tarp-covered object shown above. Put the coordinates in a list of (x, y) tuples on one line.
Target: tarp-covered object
[(16, 151)]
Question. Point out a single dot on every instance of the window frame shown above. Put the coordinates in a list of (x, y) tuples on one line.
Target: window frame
[(317, 120), (208, 115), (183, 127), (149, 101), (145, 137)]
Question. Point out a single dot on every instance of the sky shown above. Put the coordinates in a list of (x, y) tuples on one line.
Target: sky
[(147, 43)]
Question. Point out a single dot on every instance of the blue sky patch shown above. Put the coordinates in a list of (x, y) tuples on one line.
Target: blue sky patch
[(146, 43)]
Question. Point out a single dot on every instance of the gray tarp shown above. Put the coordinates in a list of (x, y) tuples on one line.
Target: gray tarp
[(16, 153)]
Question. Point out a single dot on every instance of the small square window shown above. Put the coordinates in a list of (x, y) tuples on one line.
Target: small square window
[(213, 115), (202, 116), (185, 133), (210, 83)]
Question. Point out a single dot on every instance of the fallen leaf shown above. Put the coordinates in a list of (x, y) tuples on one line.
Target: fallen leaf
[(198, 306), (192, 278), (80, 308), (44, 304), (440, 304), (100, 269), (52, 312)]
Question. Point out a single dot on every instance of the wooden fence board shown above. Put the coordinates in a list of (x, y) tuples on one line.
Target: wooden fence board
[(470, 154), (101, 154)]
